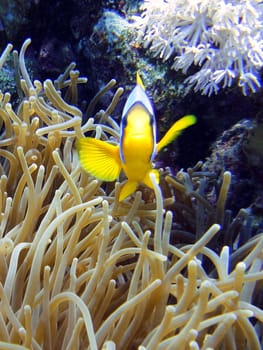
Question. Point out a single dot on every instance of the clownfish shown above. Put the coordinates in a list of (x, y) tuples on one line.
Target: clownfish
[(138, 146)]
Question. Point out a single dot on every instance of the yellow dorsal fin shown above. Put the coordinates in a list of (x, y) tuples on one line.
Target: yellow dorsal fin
[(99, 158), (175, 131), (139, 80)]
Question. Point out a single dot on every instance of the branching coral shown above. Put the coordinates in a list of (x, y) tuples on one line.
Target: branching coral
[(79, 270), (223, 38)]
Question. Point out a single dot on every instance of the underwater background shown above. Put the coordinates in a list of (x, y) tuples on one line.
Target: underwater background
[(101, 38), (204, 60)]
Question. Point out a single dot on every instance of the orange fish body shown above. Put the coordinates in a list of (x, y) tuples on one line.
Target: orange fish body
[(137, 146)]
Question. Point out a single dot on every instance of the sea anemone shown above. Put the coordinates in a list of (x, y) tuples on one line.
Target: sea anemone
[(80, 270), (222, 39)]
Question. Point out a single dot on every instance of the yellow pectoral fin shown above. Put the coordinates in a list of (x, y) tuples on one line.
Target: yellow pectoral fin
[(128, 189), (99, 158), (175, 131)]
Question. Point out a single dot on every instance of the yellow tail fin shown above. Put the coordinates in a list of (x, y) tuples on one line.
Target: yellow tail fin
[(99, 158), (175, 131)]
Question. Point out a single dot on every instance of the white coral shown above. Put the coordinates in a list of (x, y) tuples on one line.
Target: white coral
[(224, 38)]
